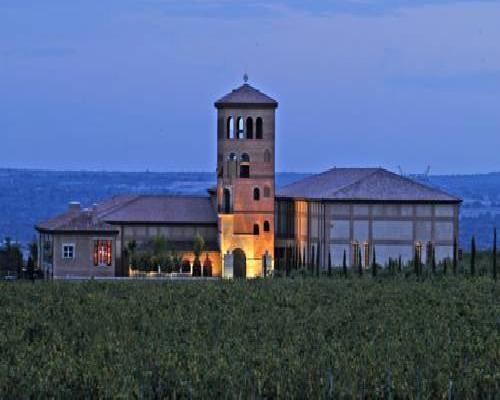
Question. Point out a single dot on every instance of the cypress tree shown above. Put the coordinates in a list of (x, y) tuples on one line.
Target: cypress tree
[(304, 257), (318, 254), (400, 264), (344, 264), (445, 266), (329, 264), (360, 265), (299, 258), (455, 254), (433, 261), (495, 254), (311, 261), (374, 263), (473, 256), (415, 262)]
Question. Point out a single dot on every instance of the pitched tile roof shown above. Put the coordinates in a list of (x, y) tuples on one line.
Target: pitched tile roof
[(163, 209), (246, 95), (134, 209), (363, 184)]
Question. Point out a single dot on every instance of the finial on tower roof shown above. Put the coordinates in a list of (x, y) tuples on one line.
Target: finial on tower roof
[(245, 77)]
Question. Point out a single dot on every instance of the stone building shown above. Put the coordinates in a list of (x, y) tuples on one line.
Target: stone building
[(246, 225)]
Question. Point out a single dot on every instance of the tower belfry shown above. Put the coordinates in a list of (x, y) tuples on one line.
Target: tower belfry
[(246, 177)]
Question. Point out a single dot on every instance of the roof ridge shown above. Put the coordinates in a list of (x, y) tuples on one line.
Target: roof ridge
[(376, 170), (118, 206)]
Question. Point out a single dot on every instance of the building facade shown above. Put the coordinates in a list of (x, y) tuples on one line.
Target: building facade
[(247, 224)]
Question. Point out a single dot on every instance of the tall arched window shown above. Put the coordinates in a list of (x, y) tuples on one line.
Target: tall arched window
[(256, 194), (267, 191), (226, 201), (266, 226), (241, 128), (230, 128), (258, 128), (267, 156), (249, 128), (245, 166), (256, 229)]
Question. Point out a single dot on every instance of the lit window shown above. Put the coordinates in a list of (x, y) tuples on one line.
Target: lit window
[(103, 253), (230, 128), (418, 252), (240, 127), (356, 256), (68, 251), (367, 253)]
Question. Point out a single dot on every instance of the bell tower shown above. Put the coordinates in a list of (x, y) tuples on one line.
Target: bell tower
[(246, 178)]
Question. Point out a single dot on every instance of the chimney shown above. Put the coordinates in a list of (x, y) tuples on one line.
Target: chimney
[(74, 207)]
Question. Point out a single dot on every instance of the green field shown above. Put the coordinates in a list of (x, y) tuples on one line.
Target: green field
[(317, 338)]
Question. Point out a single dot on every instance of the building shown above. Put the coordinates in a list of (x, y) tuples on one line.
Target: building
[(247, 226)]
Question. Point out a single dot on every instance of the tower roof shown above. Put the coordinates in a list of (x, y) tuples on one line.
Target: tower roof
[(246, 96)]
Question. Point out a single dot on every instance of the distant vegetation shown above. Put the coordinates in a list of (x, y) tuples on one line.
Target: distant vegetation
[(276, 338)]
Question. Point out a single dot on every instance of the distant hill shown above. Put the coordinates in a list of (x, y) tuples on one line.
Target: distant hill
[(30, 196)]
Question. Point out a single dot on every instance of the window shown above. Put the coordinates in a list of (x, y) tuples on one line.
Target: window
[(245, 171), (68, 251), (266, 226), (267, 156), (418, 253), (256, 194), (103, 253), (232, 157), (356, 254), (256, 229), (267, 191), (245, 157), (249, 128), (259, 129), (230, 128), (241, 131), (367, 253), (226, 201)]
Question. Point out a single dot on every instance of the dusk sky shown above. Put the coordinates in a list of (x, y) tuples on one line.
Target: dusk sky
[(130, 84)]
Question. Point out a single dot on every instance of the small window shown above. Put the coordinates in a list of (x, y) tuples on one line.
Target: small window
[(259, 129), (249, 128), (266, 226), (256, 229), (267, 156), (245, 171), (256, 194), (267, 191), (240, 127), (245, 158), (103, 253), (68, 251), (230, 128), (232, 157)]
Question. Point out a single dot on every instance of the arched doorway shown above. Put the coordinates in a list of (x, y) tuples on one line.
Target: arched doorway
[(240, 264)]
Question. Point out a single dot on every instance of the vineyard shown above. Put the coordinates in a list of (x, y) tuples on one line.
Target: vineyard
[(276, 338)]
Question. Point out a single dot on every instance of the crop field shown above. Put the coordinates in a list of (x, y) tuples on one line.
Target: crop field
[(276, 338)]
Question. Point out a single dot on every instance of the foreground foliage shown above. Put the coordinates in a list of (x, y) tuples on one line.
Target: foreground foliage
[(320, 338)]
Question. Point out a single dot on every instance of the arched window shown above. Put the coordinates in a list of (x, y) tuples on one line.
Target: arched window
[(226, 201), (259, 129), (267, 156), (230, 128), (267, 191), (256, 194), (245, 158), (232, 157), (249, 128), (256, 229), (266, 226), (241, 129)]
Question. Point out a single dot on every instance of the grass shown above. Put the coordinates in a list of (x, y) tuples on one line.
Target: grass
[(293, 338)]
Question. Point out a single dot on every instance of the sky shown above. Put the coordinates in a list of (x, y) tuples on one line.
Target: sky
[(130, 84)]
